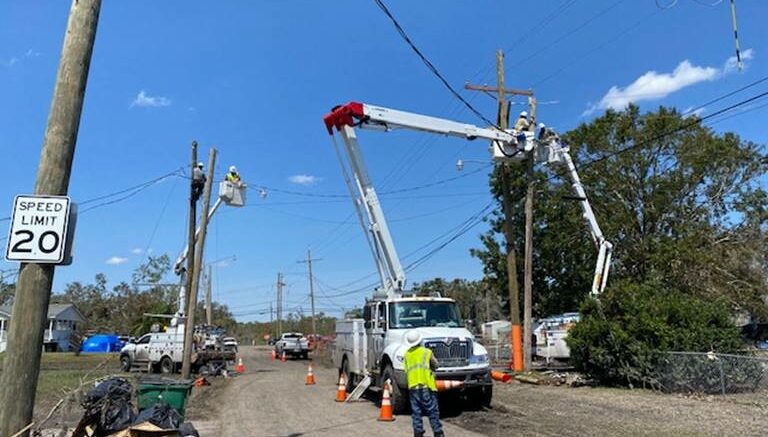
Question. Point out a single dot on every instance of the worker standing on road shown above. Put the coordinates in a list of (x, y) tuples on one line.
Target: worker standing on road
[(233, 176), (422, 389), (522, 122), (198, 181)]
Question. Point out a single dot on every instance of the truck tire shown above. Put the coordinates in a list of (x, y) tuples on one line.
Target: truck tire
[(166, 365), (398, 398), (350, 377), (305, 355), (125, 363), (481, 396)]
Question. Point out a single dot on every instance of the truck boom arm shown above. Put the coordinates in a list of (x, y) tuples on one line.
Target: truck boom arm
[(504, 145)]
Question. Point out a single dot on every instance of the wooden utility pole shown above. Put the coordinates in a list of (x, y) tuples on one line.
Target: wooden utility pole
[(308, 262), (186, 364), (280, 285), (528, 267), (191, 228), (208, 297), (516, 343), (21, 367)]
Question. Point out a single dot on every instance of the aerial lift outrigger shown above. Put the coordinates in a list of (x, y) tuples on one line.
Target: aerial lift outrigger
[(505, 145)]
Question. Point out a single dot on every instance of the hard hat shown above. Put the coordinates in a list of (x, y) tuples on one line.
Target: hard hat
[(412, 338), (524, 114), (233, 169), (541, 125), (200, 164)]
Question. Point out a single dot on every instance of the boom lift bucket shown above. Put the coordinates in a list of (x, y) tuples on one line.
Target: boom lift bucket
[(233, 194)]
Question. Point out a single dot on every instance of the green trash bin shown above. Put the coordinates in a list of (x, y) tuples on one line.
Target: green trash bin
[(172, 391)]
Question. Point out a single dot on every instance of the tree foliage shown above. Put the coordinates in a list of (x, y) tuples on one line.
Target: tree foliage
[(620, 339), (122, 308), (682, 205)]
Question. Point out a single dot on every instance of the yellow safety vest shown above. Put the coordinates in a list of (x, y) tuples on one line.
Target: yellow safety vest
[(417, 368), (233, 177)]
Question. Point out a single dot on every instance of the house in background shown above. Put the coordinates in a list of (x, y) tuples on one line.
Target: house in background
[(62, 322), (5, 316)]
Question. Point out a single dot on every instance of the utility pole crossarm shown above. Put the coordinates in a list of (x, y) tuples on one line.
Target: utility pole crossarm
[(493, 89)]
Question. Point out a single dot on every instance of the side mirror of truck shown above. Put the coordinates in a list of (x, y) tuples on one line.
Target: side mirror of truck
[(368, 324)]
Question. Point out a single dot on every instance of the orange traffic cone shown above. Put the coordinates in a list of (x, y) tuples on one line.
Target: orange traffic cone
[(282, 357), (274, 355), (310, 376), (240, 368), (341, 393), (385, 415), (500, 376), (444, 385)]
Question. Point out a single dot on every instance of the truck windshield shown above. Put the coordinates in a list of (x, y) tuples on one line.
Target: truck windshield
[(419, 314)]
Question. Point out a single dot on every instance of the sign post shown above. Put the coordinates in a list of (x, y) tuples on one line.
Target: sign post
[(39, 230)]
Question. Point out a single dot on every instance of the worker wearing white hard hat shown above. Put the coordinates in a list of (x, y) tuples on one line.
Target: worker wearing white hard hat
[(422, 388), (198, 181), (522, 122), (233, 176)]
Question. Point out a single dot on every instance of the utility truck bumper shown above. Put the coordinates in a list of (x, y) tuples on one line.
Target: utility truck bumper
[(471, 377)]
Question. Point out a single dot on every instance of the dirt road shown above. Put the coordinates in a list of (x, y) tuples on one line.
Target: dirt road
[(270, 399)]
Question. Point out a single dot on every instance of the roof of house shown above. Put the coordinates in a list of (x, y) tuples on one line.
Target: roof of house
[(54, 310)]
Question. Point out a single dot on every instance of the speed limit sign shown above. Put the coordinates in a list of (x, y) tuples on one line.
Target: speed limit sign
[(39, 228)]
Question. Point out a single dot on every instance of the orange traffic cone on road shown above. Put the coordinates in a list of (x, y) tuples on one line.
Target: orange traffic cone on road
[(500, 376), (444, 384), (341, 393), (274, 355), (385, 414), (282, 357), (310, 375), (240, 368)]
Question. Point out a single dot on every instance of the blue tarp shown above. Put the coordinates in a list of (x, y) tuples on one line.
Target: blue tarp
[(102, 343)]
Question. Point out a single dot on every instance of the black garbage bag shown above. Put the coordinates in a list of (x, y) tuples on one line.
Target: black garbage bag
[(187, 430), (108, 406), (160, 414)]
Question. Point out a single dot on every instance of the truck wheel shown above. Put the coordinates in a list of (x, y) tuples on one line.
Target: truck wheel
[(481, 396), (125, 363), (305, 356), (350, 377), (166, 365), (397, 397)]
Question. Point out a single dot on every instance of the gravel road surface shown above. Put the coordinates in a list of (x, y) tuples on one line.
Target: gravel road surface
[(271, 399)]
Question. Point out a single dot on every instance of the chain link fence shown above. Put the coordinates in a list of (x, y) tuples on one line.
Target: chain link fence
[(498, 353), (710, 373)]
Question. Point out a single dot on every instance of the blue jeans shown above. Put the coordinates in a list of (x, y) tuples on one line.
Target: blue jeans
[(424, 402)]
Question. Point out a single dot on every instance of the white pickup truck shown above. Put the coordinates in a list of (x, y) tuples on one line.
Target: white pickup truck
[(163, 351), (293, 344), (375, 346)]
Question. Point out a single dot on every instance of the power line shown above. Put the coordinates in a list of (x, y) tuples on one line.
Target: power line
[(429, 64)]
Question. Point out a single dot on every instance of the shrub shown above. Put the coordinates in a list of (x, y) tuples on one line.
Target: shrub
[(619, 338)]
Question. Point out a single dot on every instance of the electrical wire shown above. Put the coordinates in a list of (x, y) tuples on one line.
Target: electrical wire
[(431, 66)]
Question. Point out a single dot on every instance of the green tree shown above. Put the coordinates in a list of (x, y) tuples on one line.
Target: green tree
[(682, 205)]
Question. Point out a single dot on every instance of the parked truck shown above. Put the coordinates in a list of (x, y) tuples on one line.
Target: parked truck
[(370, 351), (293, 344), (163, 351)]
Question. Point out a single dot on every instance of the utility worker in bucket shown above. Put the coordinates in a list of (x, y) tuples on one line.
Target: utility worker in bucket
[(522, 122), (422, 389), (233, 176)]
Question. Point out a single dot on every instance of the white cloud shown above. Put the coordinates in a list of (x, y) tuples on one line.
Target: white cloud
[(732, 65), (655, 86), (143, 100), (117, 260), (10, 62), (31, 53), (304, 179), (137, 251)]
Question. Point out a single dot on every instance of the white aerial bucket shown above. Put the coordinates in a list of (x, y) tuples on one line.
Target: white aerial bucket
[(233, 194)]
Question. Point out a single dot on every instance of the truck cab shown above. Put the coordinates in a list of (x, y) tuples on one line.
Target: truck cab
[(375, 346)]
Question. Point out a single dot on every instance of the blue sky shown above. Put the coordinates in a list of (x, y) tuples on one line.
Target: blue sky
[(255, 78)]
